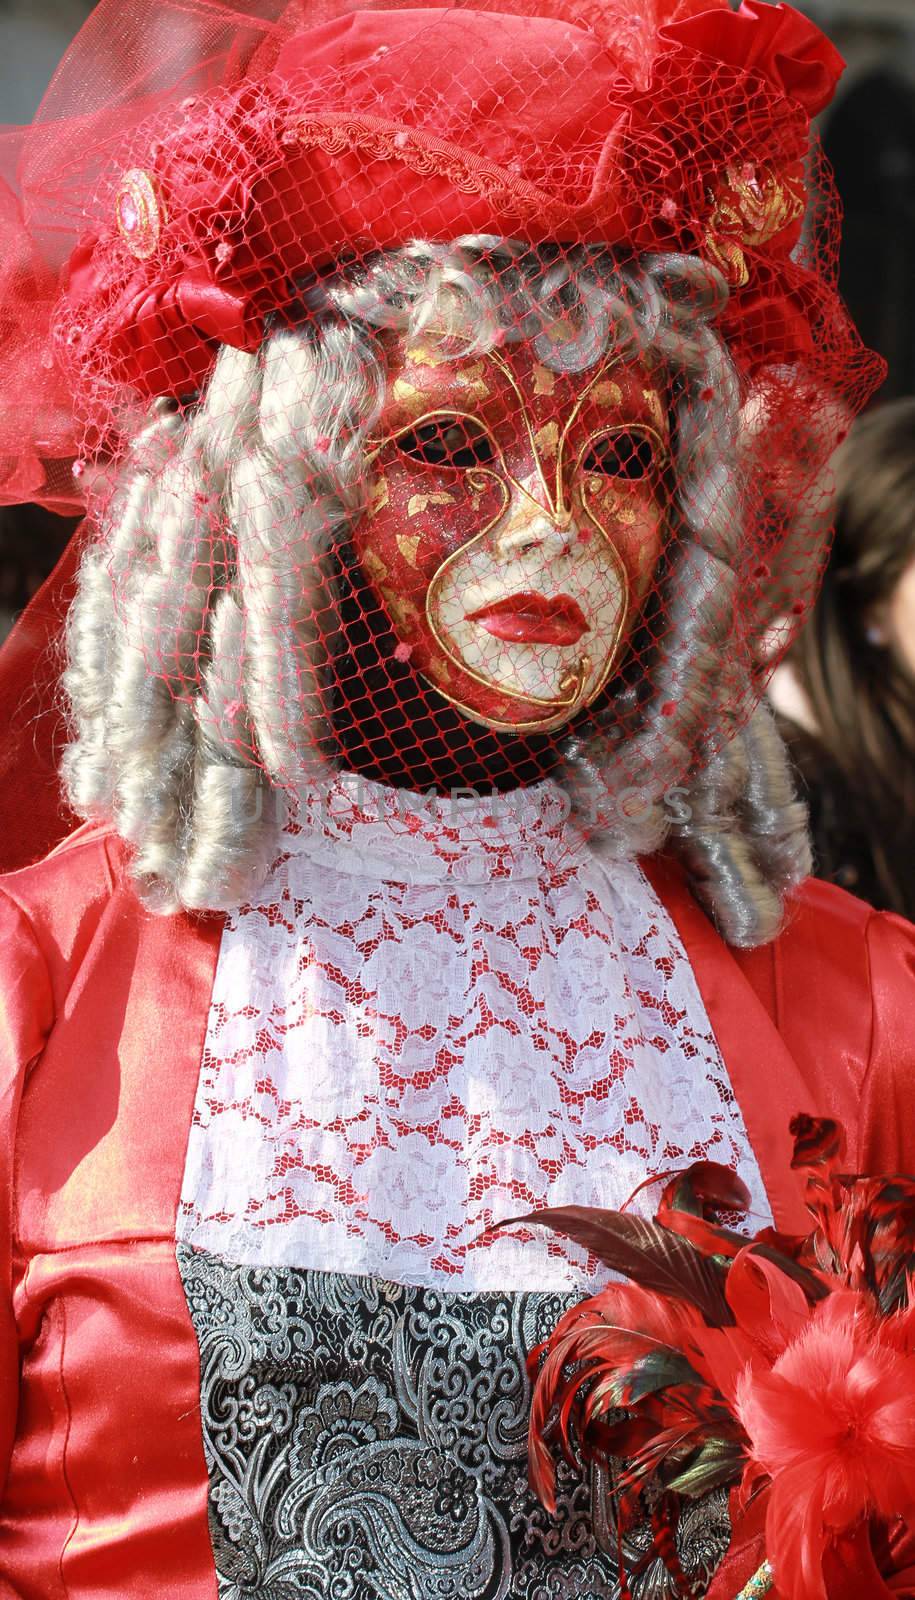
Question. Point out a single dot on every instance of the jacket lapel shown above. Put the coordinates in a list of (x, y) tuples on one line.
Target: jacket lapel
[(767, 1081)]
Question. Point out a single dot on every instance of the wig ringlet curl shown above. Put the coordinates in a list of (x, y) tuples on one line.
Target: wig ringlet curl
[(205, 620)]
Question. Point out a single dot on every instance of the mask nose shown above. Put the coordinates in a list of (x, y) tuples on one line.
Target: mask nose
[(528, 524)]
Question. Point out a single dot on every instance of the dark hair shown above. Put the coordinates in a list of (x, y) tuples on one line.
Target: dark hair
[(861, 689)]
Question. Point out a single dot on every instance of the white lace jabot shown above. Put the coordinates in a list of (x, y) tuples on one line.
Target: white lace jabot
[(395, 835), (437, 1014)]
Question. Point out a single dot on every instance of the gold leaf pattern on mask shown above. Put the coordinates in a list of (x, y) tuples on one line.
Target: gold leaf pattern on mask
[(379, 497), (407, 395), (656, 406), (408, 544), (608, 504), (544, 379), (418, 503), (607, 393), (403, 612), (470, 379), (546, 439), (419, 355), (374, 566)]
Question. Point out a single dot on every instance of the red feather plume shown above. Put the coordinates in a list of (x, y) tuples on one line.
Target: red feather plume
[(782, 1367)]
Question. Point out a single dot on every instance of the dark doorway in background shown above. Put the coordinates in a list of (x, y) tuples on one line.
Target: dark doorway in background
[(870, 141)]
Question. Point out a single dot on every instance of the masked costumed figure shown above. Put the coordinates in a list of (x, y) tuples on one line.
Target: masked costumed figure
[(450, 393)]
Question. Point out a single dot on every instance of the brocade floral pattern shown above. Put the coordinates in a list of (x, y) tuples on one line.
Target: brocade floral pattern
[(367, 1441)]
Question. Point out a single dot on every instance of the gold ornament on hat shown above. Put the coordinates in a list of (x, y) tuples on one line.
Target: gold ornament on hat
[(140, 212), (750, 208)]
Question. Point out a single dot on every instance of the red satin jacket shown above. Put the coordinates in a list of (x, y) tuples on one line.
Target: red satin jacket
[(102, 1020)]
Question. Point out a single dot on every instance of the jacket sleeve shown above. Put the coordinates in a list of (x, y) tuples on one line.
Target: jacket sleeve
[(886, 1127), (26, 1015)]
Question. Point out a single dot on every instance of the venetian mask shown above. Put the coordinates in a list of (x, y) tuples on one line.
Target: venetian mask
[(514, 526)]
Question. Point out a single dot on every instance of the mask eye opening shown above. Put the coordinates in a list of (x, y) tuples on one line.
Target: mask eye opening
[(626, 455), (447, 441)]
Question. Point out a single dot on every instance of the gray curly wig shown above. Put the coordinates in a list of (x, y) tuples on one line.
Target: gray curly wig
[(196, 641)]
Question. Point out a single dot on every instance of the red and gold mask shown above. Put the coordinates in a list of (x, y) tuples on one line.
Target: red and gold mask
[(515, 523)]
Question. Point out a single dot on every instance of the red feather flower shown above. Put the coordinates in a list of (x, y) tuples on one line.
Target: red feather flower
[(781, 1368), (832, 1424)]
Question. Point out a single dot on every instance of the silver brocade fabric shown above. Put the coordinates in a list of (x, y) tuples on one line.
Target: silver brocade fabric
[(368, 1441)]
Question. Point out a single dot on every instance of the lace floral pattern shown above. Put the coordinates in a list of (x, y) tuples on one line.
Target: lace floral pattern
[(367, 1441), (432, 1019)]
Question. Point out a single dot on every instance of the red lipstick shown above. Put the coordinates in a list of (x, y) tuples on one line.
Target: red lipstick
[(533, 619)]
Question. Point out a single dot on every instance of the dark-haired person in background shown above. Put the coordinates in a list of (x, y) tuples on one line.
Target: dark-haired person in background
[(846, 694)]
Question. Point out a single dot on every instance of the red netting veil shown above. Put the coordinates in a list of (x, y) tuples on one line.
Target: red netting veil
[(451, 392)]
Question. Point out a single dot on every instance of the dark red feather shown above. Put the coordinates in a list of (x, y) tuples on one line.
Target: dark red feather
[(648, 1253), (705, 1187)]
